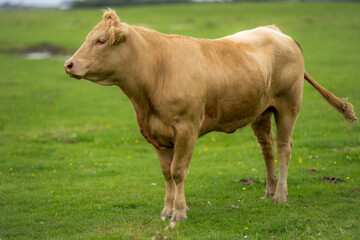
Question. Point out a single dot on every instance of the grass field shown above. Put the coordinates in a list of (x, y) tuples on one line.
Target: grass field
[(73, 164)]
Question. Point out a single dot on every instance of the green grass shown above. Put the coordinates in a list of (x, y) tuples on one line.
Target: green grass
[(81, 170)]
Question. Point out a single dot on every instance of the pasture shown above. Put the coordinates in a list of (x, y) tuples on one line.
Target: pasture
[(73, 164)]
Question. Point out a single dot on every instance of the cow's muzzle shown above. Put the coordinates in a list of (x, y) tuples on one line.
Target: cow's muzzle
[(74, 69)]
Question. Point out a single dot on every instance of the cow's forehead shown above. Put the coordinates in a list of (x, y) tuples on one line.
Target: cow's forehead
[(101, 26)]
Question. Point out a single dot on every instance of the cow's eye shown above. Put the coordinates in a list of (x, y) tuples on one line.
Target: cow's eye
[(100, 41)]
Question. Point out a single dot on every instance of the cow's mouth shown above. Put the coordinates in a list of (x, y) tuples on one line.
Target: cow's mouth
[(75, 76)]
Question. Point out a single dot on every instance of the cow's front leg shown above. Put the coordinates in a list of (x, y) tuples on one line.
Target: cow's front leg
[(184, 144), (165, 158)]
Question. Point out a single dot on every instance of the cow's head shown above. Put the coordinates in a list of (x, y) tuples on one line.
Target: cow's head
[(103, 52)]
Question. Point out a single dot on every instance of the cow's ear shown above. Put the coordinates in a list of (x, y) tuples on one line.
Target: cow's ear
[(118, 34)]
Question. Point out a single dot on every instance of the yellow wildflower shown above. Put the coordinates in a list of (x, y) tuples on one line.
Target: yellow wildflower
[(246, 228), (205, 149), (11, 169), (107, 125), (70, 164), (276, 160), (33, 174), (220, 149), (219, 173), (1, 173), (347, 177), (128, 157), (300, 159), (96, 163), (199, 152), (136, 141)]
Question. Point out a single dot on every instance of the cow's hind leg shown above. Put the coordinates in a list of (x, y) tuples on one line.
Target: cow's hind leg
[(285, 118), (265, 137), (166, 157)]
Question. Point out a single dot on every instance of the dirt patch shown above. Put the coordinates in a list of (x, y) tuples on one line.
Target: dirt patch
[(330, 179), (40, 51), (44, 47), (245, 181), (312, 170)]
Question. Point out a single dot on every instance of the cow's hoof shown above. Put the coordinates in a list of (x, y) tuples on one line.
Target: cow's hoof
[(178, 215), (268, 193), (280, 198), (172, 224), (166, 213)]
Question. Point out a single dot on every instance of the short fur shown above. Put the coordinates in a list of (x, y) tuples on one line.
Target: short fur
[(182, 88)]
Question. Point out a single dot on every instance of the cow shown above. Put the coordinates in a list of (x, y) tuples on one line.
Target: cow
[(182, 88)]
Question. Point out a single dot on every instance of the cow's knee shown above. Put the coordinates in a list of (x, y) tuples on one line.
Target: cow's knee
[(167, 174), (178, 175)]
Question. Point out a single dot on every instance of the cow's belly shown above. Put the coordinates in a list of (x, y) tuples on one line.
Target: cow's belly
[(229, 124), (210, 125), (229, 112)]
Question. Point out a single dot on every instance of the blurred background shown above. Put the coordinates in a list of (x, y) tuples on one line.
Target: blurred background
[(73, 164), (66, 4)]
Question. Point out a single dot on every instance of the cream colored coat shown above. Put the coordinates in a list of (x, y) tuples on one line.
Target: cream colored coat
[(183, 87)]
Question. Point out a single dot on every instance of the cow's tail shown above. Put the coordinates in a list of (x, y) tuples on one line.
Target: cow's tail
[(340, 104)]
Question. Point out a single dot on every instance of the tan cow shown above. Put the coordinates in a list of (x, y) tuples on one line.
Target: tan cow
[(182, 88)]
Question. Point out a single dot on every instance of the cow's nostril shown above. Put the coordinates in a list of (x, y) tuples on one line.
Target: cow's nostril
[(69, 65)]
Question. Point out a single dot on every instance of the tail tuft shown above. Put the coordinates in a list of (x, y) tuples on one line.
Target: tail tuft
[(347, 110)]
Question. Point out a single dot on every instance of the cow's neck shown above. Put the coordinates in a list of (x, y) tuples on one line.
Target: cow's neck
[(132, 81), (142, 80)]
